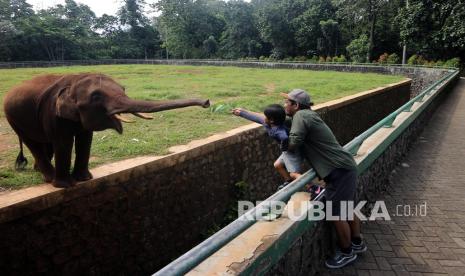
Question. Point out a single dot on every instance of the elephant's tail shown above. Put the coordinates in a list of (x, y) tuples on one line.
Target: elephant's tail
[(21, 161)]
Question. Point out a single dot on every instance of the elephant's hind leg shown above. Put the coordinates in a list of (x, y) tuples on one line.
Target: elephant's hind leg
[(48, 148), (42, 161)]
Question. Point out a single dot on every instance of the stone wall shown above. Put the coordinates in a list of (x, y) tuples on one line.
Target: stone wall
[(140, 214)]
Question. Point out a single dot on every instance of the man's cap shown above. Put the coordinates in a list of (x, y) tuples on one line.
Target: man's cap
[(299, 96)]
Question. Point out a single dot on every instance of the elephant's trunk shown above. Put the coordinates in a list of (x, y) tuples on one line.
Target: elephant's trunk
[(127, 105)]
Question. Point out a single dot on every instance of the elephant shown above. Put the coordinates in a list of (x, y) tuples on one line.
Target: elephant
[(50, 113)]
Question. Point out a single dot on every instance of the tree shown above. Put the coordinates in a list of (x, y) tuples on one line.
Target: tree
[(311, 38), (240, 37), (20, 9), (132, 13), (330, 30), (210, 46), (186, 24), (142, 39), (433, 28), (358, 48), (275, 26), (365, 13), (292, 27)]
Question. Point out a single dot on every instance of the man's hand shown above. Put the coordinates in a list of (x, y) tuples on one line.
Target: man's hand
[(237, 111)]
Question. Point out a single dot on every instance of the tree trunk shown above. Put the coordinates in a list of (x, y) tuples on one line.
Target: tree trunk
[(335, 48), (44, 44), (371, 40)]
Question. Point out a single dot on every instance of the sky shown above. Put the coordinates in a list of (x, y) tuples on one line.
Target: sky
[(99, 7)]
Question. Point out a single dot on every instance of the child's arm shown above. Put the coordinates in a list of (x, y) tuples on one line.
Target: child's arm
[(249, 115)]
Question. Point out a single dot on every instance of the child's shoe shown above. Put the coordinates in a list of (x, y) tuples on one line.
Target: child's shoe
[(283, 185), (314, 190)]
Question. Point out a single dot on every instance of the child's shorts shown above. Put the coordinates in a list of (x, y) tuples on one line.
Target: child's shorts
[(292, 161)]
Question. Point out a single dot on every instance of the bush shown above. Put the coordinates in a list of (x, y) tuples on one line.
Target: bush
[(340, 58), (453, 62), (422, 61), (412, 60), (383, 58), (417, 60), (288, 59), (439, 63), (358, 48), (314, 59), (321, 59), (393, 59), (300, 58), (329, 59), (276, 54)]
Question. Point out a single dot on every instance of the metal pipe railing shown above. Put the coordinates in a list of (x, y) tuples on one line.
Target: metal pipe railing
[(355, 143), (195, 256), (205, 249)]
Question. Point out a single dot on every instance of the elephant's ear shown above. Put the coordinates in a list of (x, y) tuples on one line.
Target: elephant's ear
[(66, 105)]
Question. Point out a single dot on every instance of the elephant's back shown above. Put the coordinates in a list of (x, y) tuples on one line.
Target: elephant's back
[(28, 92), (21, 103)]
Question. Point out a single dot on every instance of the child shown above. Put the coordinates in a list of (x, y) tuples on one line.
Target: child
[(289, 165)]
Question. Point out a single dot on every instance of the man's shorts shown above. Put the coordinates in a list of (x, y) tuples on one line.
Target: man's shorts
[(292, 161), (341, 185)]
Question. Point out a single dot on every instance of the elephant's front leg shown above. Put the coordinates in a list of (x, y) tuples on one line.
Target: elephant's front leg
[(81, 164), (63, 146)]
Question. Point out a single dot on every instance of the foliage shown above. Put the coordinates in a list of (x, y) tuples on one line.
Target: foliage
[(340, 58), (210, 46), (417, 60), (240, 37), (453, 62), (420, 60), (433, 28), (330, 30), (358, 48), (235, 29), (186, 24), (393, 59), (383, 58)]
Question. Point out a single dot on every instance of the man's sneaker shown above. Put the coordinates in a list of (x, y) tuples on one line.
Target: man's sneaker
[(340, 259), (359, 248), (283, 185)]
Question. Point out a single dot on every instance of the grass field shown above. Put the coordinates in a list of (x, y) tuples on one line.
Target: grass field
[(226, 87)]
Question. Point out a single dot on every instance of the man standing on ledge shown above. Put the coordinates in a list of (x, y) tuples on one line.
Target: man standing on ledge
[(315, 140)]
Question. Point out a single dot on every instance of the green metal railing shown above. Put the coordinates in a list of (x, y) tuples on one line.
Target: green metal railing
[(195, 256)]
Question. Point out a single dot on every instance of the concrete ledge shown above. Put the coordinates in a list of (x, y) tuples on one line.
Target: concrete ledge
[(240, 253)]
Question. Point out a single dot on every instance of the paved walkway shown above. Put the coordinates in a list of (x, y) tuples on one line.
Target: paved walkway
[(432, 172)]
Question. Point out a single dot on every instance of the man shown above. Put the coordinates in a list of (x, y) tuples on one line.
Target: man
[(315, 140)]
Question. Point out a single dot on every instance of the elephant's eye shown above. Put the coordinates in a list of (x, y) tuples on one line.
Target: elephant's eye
[(96, 97)]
